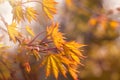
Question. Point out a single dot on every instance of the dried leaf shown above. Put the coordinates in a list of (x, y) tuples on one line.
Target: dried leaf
[(27, 66)]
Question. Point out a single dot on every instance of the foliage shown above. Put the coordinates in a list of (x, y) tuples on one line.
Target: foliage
[(53, 52)]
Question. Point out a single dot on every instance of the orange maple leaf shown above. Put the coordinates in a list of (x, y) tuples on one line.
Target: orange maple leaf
[(54, 34), (54, 65)]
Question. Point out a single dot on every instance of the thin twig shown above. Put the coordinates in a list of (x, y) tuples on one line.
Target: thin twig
[(32, 1), (43, 39), (3, 20), (49, 49), (3, 29), (35, 37)]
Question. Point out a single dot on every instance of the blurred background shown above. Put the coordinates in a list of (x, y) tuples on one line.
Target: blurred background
[(95, 23)]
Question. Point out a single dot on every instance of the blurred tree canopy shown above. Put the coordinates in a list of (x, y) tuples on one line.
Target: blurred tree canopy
[(88, 22)]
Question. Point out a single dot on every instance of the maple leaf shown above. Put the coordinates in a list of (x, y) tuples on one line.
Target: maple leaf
[(54, 65), (71, 66), (59, 60), (30, 31), (12, 31), (72, 56), (31, 14), (54, 34), (49, 8), (18, 14), (73, 47), (73, 72)]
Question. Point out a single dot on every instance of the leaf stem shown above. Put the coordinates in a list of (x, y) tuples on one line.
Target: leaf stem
[(32, 1), (3, 29), (3, 20), (35, 37), (49, 49)]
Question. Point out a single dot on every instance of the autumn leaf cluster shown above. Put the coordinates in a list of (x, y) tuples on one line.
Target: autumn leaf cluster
[(55, 54)]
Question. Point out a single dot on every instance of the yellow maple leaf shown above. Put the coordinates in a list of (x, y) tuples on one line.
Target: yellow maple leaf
[(18, 14), (30, 31), (54, 34), (12, 31), (31, 14), (73, 47), (49, 8), (60, 65), (54, 65)]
